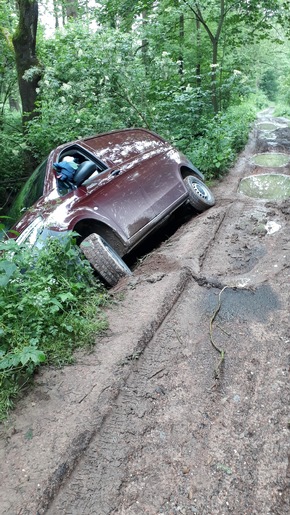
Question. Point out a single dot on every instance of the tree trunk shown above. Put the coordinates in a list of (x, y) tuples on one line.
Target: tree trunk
[(144, 47), (13, 104), (181, 44), (214, 39), (214, 75), (56, 14), (24, 42), (71, 9), (198, 54)]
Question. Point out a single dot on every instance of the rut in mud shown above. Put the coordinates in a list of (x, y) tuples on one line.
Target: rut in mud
[(178, 442), (150, 423)]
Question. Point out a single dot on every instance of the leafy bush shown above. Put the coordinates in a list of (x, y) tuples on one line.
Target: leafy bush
[(90, 85), (225, 135), (269, 84), (13, 157), (50, 304), (282, 110)]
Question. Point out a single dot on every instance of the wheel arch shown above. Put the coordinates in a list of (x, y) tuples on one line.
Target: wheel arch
[(87, 226), (185, 171)]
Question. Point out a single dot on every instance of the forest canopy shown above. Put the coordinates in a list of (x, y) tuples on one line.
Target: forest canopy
[(194, 71)]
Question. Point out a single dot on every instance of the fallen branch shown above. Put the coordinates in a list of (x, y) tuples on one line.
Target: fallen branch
[(220, 351)]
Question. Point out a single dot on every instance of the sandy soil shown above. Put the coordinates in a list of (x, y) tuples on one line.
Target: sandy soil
[(150, 422)]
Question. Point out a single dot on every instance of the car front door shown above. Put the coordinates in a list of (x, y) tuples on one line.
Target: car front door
[(118, 196)]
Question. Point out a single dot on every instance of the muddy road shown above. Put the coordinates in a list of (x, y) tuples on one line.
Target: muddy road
[(183, 407)]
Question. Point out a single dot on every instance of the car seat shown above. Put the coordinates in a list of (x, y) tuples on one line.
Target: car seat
[(84, 171)]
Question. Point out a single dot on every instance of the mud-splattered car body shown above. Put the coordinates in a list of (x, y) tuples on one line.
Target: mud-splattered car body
[(127, 182)]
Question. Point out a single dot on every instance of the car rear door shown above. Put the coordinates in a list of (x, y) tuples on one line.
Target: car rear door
[(161, 181)]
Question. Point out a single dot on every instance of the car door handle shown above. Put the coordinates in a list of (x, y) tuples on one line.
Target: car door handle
[(115, 172)]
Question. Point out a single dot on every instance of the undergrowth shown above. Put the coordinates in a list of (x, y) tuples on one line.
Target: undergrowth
[(215, 151), (50, 304), (282, 109)]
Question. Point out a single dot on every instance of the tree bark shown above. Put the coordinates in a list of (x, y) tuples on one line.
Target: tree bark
[(214, 39), (198, 54), (24, 42), (71, 9), (56, 14), (181, 44), (144, 47)]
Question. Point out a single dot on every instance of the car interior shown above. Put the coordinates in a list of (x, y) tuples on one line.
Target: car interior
[(87, 168)]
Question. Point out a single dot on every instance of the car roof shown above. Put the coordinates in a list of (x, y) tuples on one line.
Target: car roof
[(118, 146)]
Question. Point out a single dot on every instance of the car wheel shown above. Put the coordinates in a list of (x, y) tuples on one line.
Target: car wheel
[(199, 195), (103, 258)]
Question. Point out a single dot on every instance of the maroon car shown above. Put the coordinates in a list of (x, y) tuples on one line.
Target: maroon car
[(113, 190)]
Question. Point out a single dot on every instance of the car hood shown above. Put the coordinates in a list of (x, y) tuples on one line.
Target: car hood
[(56, 213)]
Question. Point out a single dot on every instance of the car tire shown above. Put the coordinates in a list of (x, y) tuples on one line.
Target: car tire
[(199, 195), (104, 259)]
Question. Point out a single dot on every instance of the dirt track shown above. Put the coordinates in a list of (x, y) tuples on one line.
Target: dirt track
[(142, 425)]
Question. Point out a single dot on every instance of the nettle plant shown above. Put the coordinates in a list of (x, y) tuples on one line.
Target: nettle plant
[(50, 304)]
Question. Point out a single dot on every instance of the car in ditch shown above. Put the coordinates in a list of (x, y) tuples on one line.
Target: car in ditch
[(112, 190)]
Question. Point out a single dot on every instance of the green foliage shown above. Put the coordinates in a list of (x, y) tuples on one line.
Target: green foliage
[(50, 304), (282, 109), (13, 156), (90, 84), (223, 138), (259, 100), (284, 85), (95, 82), (269, 85)]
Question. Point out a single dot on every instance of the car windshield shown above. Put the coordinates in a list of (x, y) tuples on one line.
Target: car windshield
[(30, 193)]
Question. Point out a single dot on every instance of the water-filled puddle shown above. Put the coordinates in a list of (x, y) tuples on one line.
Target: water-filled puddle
[(270, 159), (267, 126), (266, 186)]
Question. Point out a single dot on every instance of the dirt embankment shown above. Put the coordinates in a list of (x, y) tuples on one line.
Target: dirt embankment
[(149, 423)]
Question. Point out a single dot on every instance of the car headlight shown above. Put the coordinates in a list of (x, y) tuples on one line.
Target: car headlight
[(31, 233)]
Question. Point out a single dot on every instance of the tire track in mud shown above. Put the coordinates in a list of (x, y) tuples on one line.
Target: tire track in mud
[(172, 443), (214, 238), (106, 402), (246, 251), (130, 422), (71, 436)]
